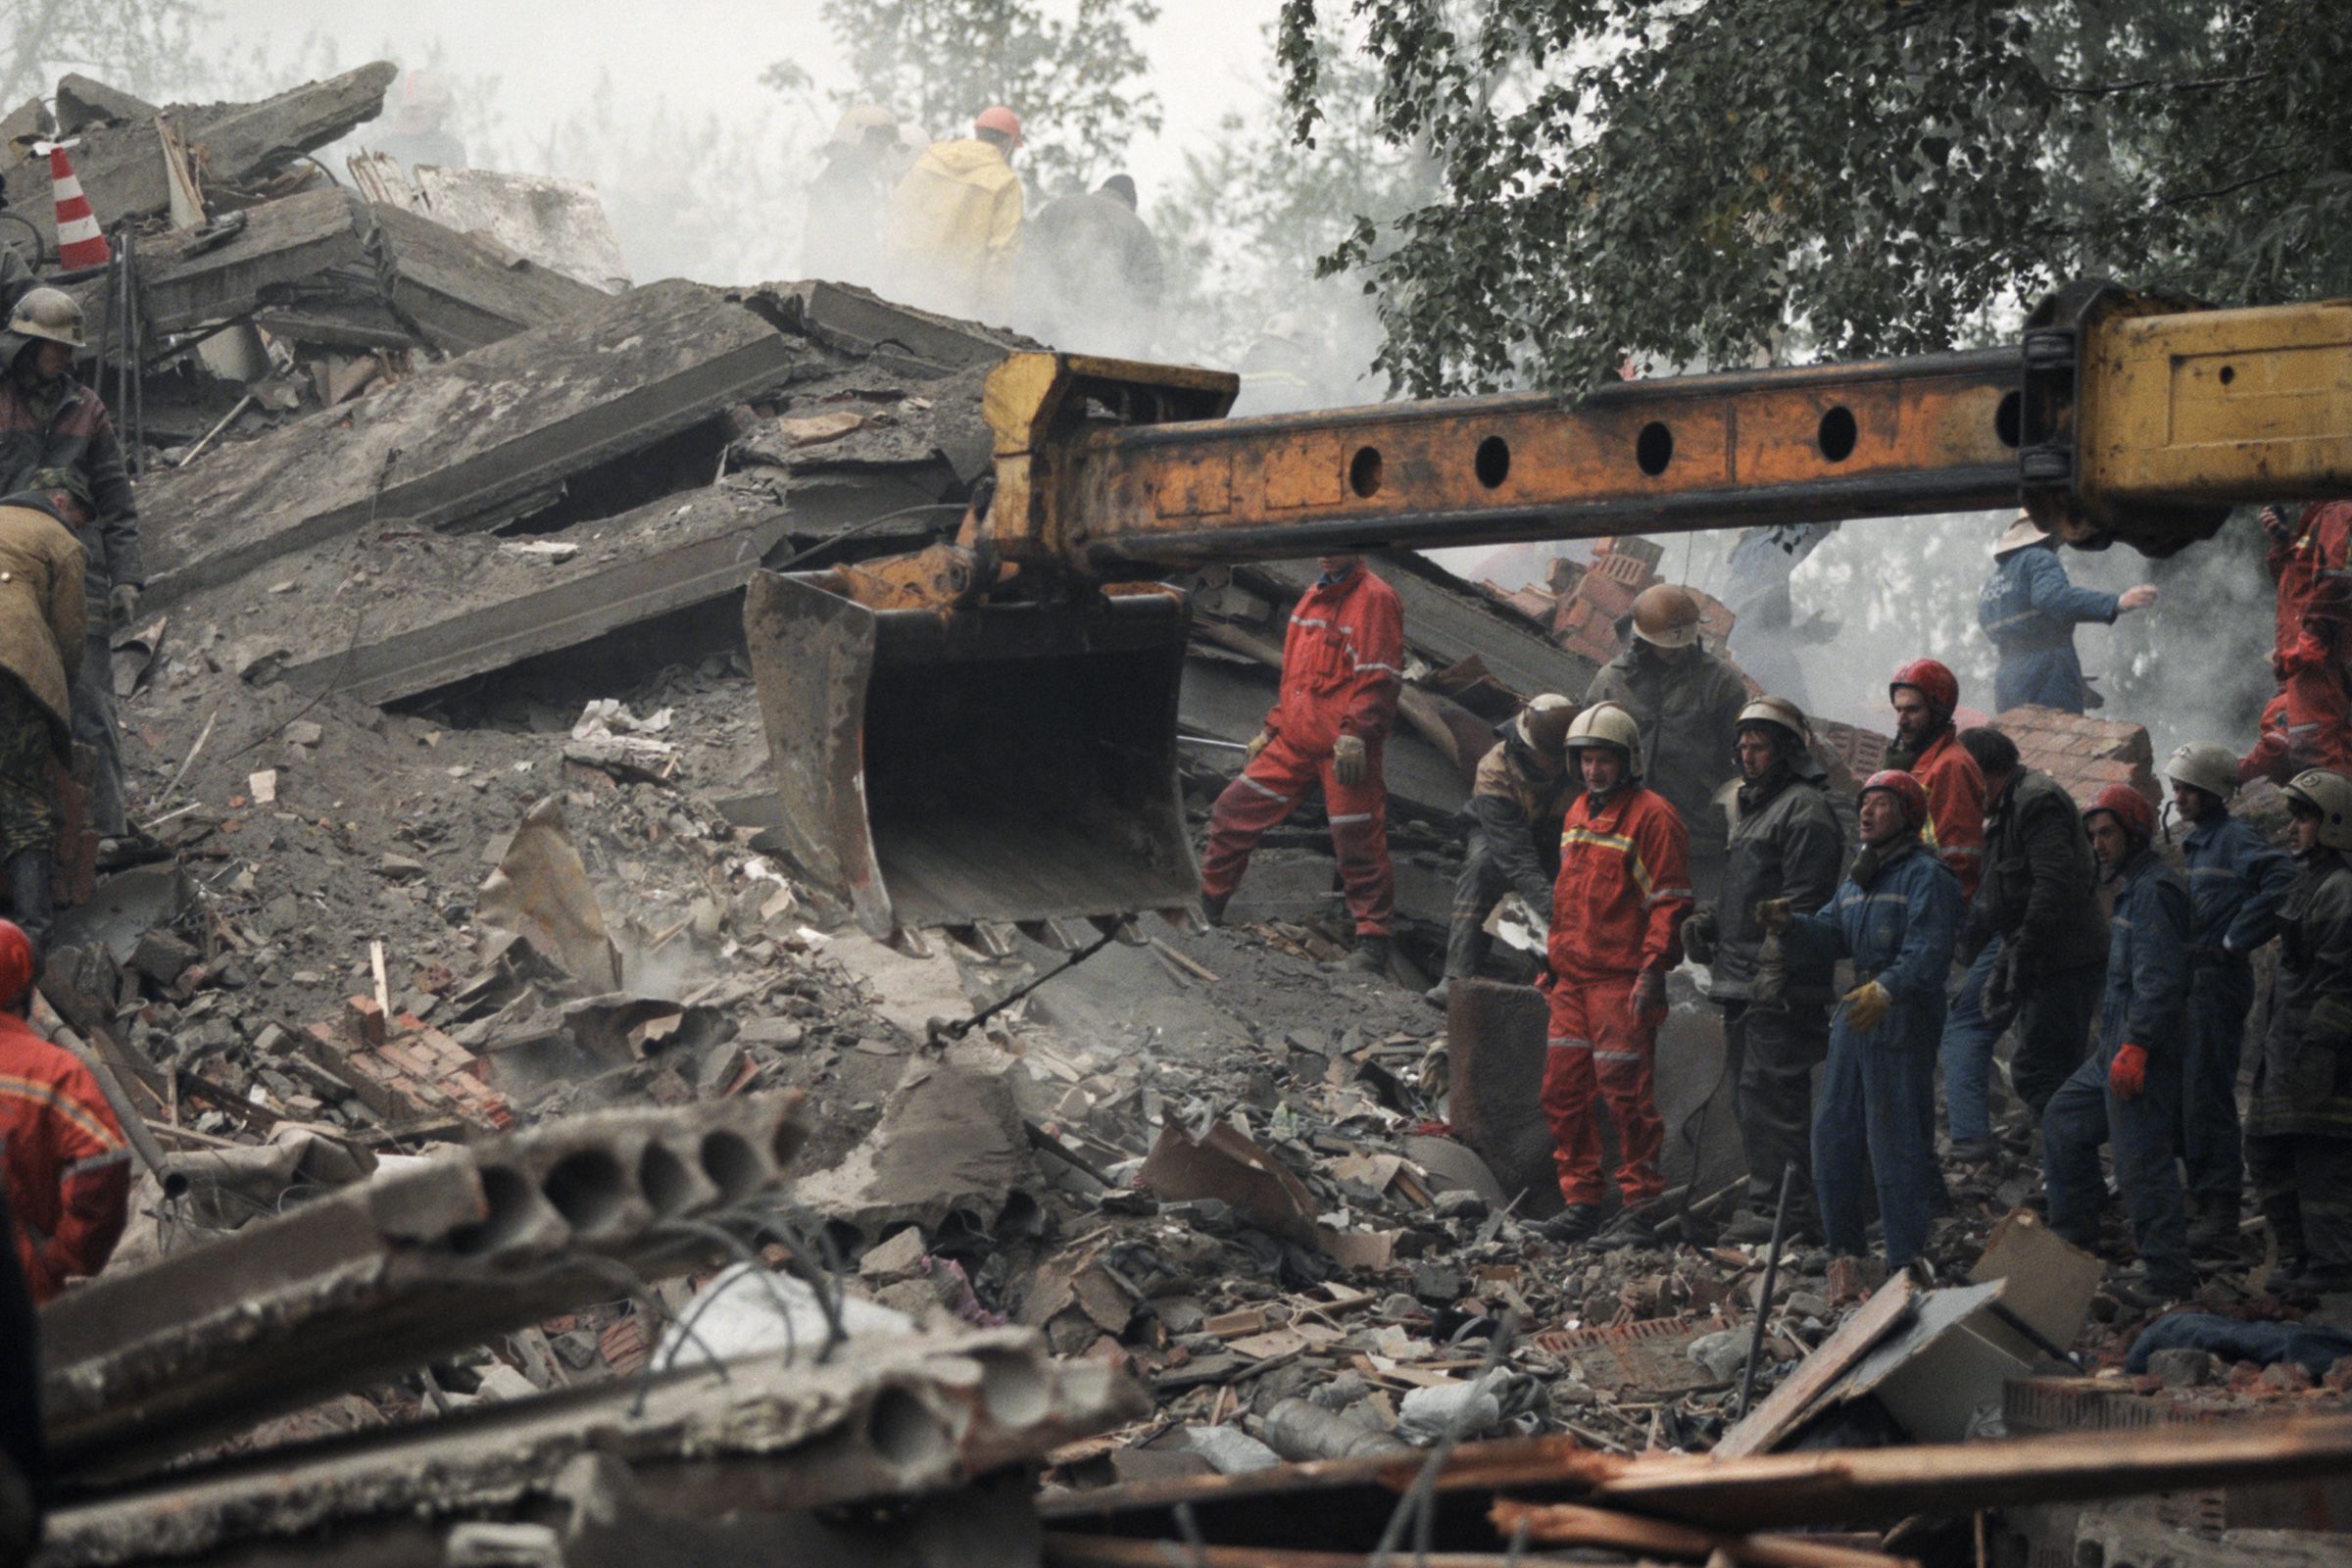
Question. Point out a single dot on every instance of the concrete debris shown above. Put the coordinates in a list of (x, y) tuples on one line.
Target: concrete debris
[(949, 1149)]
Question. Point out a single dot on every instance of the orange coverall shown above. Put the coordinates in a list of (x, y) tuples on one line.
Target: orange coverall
[(1342, 668), (67, 1161), (1956, 829), (1617, 910)]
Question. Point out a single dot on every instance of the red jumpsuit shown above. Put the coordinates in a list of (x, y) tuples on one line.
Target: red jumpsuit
[(67, 1162), (1956, 829), (1616, 911), (2309, 723), (1342, 668)]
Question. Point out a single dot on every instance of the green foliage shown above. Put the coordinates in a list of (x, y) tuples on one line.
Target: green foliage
[(1692, 181), (938, 63), (137, 45)]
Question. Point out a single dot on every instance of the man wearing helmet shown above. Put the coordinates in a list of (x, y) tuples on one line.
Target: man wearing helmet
[(41, 646), (2299, 1122), (1091, 273), (847, 199), (55, 438), (2030, 610), (1343, 669), (2036, 944), (1516, 802), (2238, 878), (2130, 1092), (1686, 703), (955, 220), (1898, 916), (1616, 908), (1785, 844), (62, 1150), (1925, 696)]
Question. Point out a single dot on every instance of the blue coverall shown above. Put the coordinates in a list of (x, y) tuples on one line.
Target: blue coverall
[(2236, 878), (2146, 1006), (2030, 610), (1878, 1090)]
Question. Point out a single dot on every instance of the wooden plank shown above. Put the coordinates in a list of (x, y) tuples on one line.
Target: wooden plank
[(1569, 1524), (1793, 1399)]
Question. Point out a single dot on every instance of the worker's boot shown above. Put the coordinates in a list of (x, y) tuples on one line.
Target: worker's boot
[(1371, 955), (1631, 1228), (1212, 906), (29, 875), (1574, 1224), (2214, 1233)]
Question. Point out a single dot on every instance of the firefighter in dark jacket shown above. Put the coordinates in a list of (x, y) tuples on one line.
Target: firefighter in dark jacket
[(2238, 879), (2036, 941), (2299, 1122), (55, 435), (1521, 791), (2128, 1095), (1785, 844), (1686, 703)]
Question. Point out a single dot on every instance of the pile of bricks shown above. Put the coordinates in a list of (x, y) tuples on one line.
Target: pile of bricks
[(1580, 604), (404, 1069), (2082, 753)]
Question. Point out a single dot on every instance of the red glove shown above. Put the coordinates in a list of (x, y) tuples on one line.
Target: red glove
[(2128, 1073)]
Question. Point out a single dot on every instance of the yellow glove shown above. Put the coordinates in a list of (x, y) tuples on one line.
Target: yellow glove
[(1349, 761), (1257, 743), (1774, 915), (1869, 1003)]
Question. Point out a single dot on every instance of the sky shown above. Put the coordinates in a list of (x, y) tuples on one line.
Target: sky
[(1207, 56)]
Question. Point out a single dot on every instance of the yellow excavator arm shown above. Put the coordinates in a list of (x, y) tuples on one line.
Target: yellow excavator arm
[(947, 758)]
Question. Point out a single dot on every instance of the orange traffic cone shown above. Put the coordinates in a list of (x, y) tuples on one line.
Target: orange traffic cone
[(81, 242)]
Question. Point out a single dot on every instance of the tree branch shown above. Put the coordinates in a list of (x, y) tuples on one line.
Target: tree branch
[(2208, 195), (2103, 89)]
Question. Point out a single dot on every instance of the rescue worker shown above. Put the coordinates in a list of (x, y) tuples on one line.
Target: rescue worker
[(41, 645), (1617, 910), (2035, 943), (57, 438), (1278, 369), (2299, 1119), (847, 200), (1785, 844), (1091, 273), (2308, 724), (2237, 879), (1925, 696), (1516, 802), (2130, 1092), (1687, 703), (66, 1159), (419, 131), (1343, 669), (2030, 610), (1898, 916), (955, 220)]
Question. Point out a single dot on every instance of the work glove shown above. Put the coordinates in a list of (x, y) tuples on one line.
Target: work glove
[(1867, 1007), (123, 603), (1774, 915), (1768, 990), (1648, 995), (1998, 1001), (1257, 743), (2128, 1073), (1349, 760), (1699, 935)]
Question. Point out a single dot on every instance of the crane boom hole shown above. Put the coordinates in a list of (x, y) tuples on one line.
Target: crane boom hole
[(1363, 472), (1653, 448), (1837, 434), (1494, 461)]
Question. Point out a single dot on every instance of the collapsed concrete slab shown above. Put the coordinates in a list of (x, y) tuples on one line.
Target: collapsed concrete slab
[(468, 444), (950, 1146), (376, 1279), (122, 166), (886, 1419)]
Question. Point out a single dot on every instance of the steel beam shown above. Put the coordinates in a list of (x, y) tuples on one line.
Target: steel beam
[(377, 1279)]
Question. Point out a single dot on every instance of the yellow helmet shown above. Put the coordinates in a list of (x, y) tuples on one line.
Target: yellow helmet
[(1607, 724)]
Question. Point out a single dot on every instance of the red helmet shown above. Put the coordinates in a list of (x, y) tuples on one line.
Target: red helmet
[(16, 961), (1938, 685), (2130, 807), (997, 118), (1905, 788)]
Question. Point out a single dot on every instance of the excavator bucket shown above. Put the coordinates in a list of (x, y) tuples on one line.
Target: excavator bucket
[(1008, 765)]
